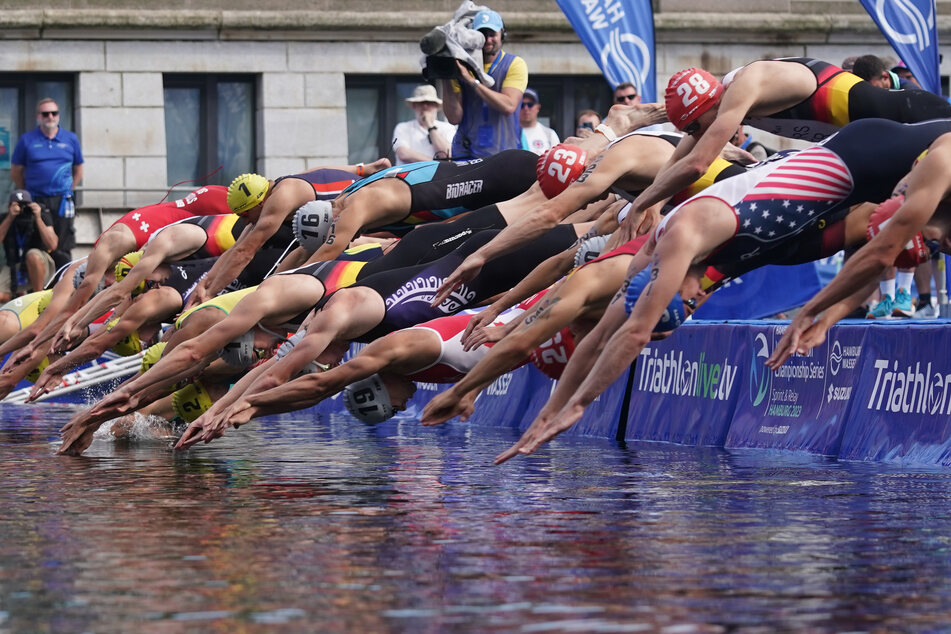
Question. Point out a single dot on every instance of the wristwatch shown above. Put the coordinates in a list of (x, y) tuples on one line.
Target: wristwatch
[(431, 128), (606, 131)]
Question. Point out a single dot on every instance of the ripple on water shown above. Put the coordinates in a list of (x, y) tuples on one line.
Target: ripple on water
[(308, 520)]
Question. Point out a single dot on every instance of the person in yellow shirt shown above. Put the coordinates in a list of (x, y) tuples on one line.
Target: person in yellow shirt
[(487, 117)]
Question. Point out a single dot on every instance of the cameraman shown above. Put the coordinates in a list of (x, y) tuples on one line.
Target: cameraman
[(28, 238), (487, 117)]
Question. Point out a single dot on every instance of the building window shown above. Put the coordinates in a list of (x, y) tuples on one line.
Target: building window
[(209, 126), (375, 104), (19, 94)]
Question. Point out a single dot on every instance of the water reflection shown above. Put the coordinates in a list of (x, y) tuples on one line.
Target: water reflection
[(303, 523)]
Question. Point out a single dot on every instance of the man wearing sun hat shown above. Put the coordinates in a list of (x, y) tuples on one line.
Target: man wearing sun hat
[(487, 118), (425, 137)]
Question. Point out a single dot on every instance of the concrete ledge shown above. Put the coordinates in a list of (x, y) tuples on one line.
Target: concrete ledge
[(398, 25)]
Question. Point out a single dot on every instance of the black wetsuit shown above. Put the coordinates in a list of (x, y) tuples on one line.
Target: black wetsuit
[(443, 189), (841, 97), (876, 153), (407, 292)]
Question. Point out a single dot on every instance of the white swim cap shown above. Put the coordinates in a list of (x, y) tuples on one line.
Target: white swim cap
[(590, 249), (312, 223), (240, 352), (368, 400)]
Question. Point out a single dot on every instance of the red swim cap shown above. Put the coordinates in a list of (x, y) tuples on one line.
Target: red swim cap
[(915, 252), (552, 356), (690, 93), (559, 167)]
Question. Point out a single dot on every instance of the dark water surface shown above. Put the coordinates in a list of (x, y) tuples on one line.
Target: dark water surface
[(305, 524)]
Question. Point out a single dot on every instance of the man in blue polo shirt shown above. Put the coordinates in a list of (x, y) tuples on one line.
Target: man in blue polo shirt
[(48, 163)]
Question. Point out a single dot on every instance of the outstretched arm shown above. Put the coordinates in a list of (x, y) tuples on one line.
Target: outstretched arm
[(928, 185), (152, 306), (347, 225), (591, 185), (541, 277), (552, 313), (56, 312), (404, 351)]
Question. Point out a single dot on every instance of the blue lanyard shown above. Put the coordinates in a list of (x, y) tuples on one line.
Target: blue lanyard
[(492, 67)]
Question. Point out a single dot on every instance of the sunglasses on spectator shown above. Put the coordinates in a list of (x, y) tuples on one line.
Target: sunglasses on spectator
[(528, 104), (50, 113), (623, 98)]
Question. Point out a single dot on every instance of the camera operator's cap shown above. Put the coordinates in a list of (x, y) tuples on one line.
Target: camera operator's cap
[(246, 192), (424, 94), (20, 196), (487, 19), (530, 92)]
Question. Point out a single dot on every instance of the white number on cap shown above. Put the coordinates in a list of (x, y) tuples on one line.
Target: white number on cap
[(565, 157), (699, 84)]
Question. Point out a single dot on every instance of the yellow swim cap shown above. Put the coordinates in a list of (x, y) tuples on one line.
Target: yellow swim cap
[(124, 265), (128, 345), (35, 373), (246, 191), (44, 301), (152, 356), (191, 401)]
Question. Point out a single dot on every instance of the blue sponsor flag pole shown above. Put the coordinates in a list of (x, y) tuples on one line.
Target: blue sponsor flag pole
[(910, 27), (619, 35)]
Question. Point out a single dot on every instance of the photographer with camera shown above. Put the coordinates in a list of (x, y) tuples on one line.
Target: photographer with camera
[(588, 120), (487, 118), (28, 239)]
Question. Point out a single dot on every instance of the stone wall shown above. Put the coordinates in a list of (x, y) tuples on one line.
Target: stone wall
[(301, 51)]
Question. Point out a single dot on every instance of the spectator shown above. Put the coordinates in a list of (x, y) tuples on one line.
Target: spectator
[(487, 117), (28, 239), (873, 70), (588, 120), (48, 163), (535, 136), (425, 137), (626, 94), (745, 142), (849, 62), (906, 78)]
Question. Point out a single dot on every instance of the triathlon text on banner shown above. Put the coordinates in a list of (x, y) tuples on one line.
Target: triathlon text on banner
[(910, 27), (619, 34)]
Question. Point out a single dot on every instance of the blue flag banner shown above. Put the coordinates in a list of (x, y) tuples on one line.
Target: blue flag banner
[(911, 29), (620, 37)]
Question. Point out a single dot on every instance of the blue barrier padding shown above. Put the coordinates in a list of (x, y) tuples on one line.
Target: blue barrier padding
[(602, 416), (901, 402), (425, 392), (685, 387), (763, 292), (503, 403), (803, 406)]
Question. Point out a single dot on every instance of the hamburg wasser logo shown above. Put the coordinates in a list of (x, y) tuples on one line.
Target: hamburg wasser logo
[(835, 358), (760, 376)]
